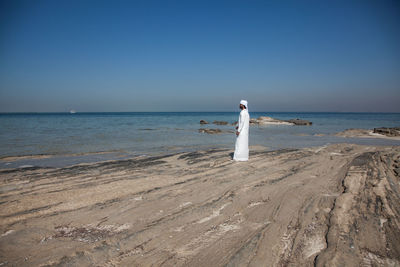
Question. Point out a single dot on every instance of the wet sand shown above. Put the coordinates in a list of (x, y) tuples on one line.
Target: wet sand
[(335, 205)]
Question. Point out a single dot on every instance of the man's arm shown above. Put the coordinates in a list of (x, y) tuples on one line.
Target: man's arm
[(240, 124)]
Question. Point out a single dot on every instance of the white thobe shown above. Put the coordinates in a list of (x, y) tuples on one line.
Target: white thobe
[(242, 140)]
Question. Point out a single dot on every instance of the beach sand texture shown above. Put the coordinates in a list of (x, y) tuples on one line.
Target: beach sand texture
[(336, 205)]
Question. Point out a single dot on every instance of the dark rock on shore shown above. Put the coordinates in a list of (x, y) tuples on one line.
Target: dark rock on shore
[(203, 122), (210, 131), (300, 122), (395, 131), (220, 122)]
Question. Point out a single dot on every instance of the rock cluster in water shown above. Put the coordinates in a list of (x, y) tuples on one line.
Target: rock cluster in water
[(300, 122), (264, 120), (210, 131), (220, 122), (395, 131)]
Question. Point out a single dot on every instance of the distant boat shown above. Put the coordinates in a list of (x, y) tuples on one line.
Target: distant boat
[(72, 111)]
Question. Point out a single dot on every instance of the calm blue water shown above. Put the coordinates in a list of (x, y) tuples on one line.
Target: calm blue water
[(146, 133)]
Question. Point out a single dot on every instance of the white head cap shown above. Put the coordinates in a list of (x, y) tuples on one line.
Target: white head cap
[(244, 103)]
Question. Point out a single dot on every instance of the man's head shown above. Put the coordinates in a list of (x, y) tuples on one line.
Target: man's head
[(243, 104)]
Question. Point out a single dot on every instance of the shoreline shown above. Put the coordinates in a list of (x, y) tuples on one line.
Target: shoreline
[(138, 133), (44, 156), (351, 136), (200, 207), (124, 158)]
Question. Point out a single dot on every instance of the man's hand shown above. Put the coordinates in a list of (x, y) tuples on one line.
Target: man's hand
[(237, 133)]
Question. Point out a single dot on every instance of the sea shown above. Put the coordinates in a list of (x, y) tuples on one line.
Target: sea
[(63, 139)]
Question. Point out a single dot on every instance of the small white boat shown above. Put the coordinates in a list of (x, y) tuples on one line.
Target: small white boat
[(72, 111)]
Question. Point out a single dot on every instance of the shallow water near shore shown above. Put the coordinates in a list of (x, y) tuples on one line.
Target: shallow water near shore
[(78, 138)]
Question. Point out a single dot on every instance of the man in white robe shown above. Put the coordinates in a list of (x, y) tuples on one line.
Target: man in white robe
[(242, 133)]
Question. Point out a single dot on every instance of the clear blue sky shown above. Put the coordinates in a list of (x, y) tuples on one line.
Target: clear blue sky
[(199, 55)]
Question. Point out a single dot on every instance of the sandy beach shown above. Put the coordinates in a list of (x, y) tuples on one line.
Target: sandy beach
[(334, 205), (119, 122)]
